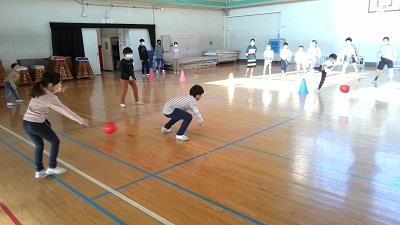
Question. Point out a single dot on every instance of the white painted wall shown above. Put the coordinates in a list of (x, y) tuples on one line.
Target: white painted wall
[(330, 22), (24, 24), (192, 29), (261, 27)]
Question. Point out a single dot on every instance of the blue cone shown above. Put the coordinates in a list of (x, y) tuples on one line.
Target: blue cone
[(303, 88)]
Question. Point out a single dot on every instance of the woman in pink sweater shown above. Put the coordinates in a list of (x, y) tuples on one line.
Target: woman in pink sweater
[(38, 127)]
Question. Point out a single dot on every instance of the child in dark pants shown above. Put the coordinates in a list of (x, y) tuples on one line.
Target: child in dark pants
[(286, 56), (38, 127), (329, 65), (176, 109), (144, 58), (159, 51), (11, 87)]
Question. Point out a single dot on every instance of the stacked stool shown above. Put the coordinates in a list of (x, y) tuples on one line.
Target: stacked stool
[(37, 73), (83, 68), (2, 73), (68, 61), (24, 76), (58, 65)]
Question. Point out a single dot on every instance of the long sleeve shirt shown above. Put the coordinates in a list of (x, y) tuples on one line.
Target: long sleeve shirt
[(159, 51), (176, 53), (126, 67), (184, 103), (143, 52), (39, 108), (12, 78), (251, 52)]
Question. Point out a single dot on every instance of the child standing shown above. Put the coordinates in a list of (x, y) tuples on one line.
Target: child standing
[(128, 77), (159, 51), (176, 108), (176, 54), (301, 59), (387, 55), (268, 57), (314, 55), (10, 86), (144, 57), (286, 56), (349, 55), (38, 127), (251, 52)]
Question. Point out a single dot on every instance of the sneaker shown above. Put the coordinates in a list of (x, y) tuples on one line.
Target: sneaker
[(19, 101), (138, 103), (57, 170), (165, 130), (147, 74), (11, 104), (122, 105), (317, 91), (182, 137), (373, 81), (41, 174)]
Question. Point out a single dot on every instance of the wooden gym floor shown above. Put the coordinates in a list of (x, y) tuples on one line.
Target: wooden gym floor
[(264, 156)]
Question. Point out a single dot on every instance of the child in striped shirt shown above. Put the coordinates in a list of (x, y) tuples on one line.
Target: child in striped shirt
[(251, 54), (176, 109)]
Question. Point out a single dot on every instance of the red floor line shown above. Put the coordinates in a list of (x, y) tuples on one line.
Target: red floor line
[(9, 213)]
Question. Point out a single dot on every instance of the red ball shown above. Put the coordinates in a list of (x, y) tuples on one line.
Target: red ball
[(344, 88), (110, 128)]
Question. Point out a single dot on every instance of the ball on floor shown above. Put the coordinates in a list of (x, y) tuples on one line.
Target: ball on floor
[(344, 88), (109, 128)]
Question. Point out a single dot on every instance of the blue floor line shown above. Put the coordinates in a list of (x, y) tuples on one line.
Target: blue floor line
[(67, 186)]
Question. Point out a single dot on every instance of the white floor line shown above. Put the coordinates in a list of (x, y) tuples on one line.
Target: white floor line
[(98, 183)]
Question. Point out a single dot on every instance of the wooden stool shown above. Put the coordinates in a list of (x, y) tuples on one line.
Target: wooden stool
[(83, 68), (24, 76), (37, 73), (68, 61), (2, 73), (58, 65)]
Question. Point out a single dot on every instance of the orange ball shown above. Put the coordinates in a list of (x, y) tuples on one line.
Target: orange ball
[(109, 128), (344, 88)]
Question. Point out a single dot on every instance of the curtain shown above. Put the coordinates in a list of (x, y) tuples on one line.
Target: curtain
[(67, 42)]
